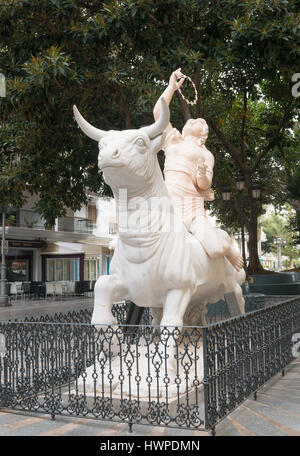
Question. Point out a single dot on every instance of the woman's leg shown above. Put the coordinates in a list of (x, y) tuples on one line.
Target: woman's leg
[(212, 242), (215, 242)]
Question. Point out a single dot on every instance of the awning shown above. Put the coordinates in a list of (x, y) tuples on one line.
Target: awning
[(62, 248)]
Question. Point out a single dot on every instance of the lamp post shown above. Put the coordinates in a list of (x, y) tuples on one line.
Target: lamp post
[(279, 242), (4, 300), (242, 203)]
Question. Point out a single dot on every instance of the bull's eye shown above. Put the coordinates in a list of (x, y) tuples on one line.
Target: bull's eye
[(140, 142)]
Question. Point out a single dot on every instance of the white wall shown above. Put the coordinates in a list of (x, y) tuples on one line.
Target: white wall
[(103, 214)]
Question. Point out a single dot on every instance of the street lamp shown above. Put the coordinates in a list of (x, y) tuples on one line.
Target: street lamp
[(240, 183), (4, 300), (279, 242), (226, 193), (255, 191)]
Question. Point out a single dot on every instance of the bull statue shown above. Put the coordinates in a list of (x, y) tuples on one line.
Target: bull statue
[(157, 262)]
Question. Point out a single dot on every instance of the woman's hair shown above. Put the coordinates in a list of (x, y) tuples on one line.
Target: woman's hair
[(204, 135), (204, 127)]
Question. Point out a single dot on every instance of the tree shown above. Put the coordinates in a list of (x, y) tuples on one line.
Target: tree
[(111, 59), (242, 56), (293, 187), (55, 54), (245, 56)]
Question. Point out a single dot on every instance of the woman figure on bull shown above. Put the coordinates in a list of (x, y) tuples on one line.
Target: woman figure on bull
[(188, 176)]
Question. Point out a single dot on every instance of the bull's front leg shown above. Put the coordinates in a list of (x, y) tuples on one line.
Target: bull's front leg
[(108, 288)]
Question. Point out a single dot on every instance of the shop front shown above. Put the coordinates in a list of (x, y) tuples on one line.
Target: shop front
[(63, 261), (22, 260)]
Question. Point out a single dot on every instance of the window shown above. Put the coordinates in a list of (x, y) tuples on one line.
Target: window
[(91, 267), (61, 269), (17, 269), (92, 213)]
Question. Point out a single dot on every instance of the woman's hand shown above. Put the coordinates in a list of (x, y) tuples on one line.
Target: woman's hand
[(176, 79)]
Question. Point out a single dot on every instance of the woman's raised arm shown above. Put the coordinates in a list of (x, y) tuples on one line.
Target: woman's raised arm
[(175, 81)]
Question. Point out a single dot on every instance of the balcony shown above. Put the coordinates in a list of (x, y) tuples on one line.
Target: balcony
[(28, 225), (23, 218), (74, 225)]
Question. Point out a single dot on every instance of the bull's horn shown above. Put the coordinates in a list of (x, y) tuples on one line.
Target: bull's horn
[(88, 129), (161, 124)]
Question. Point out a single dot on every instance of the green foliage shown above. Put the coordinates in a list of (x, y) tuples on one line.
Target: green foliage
[(110, 58), (293, 187), (274, 226)]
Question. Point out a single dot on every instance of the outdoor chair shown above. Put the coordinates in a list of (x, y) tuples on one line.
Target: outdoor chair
[(79, 288), (50, 289), (70, 288), (26, 289), (60, 289), (86, 287), (37, 290), (16, 290)]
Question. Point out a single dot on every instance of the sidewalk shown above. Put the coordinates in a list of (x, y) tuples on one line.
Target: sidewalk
[(276, 412), (21, 309)]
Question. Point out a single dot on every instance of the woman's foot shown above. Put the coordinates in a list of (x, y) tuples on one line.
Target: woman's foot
[(235, 258)]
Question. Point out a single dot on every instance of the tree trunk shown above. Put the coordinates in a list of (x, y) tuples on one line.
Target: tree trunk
[(126, 111), (254, 266)]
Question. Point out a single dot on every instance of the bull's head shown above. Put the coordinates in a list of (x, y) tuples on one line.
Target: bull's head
[(128, 157)]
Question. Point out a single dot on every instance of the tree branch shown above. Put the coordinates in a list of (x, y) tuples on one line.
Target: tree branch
[(230, 148), (125, 107), (126, 110), (273, 142)]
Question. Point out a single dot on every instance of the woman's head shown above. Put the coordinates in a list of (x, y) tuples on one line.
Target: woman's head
[(197, 128)]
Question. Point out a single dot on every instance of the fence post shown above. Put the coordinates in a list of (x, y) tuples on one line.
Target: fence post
[(4, 361), (205, 374)]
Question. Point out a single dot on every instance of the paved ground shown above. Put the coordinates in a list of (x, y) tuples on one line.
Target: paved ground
[(21, 309), (276, 412)]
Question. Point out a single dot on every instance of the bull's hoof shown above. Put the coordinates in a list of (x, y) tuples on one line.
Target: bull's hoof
[(171, 323)]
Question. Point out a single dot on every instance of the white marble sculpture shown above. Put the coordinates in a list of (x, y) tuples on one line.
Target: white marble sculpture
[(157, 263)]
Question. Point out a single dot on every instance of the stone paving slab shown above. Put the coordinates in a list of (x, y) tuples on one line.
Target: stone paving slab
[(21, 309)]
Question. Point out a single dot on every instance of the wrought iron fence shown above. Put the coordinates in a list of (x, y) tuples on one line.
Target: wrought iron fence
[(151, 376), (243, 353), (189, 378)]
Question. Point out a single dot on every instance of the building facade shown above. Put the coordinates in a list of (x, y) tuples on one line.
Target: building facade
[(75, 248)]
